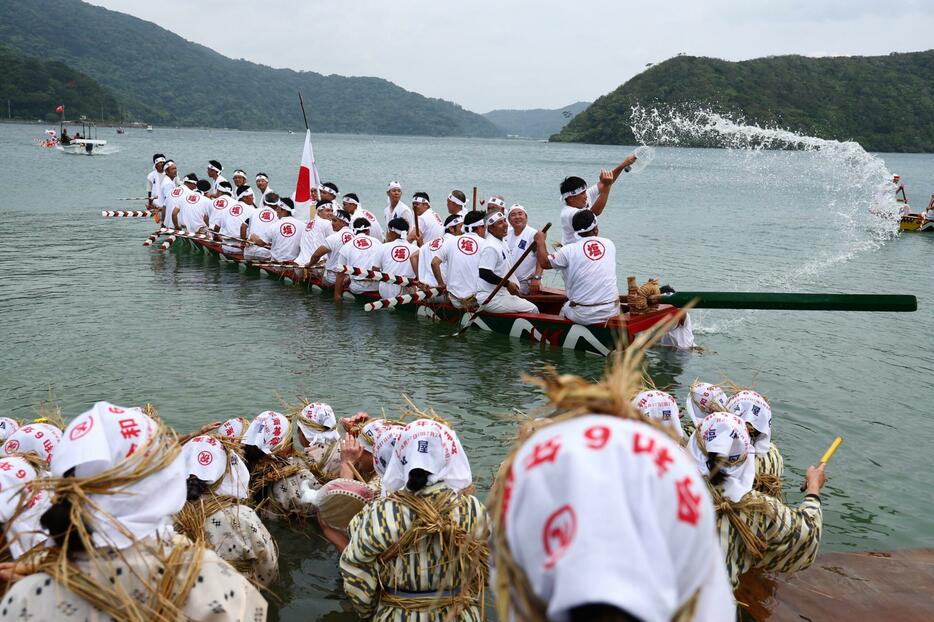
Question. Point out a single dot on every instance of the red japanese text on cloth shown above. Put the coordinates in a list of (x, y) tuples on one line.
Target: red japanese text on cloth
[(661, 456), (594, 250), (558, 534), (467, 246), (543, 452), (362, 243), (688, 502), (287, 229), (205, 458), (400, 253)]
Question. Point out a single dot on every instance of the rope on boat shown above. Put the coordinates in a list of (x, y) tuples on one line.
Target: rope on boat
[(374, 275), (168, 242), (154, 236), (388, 303), (126, 213)]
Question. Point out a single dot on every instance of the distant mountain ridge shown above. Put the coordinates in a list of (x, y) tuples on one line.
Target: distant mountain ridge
[(537, 122), (886, 103), (161, 78)]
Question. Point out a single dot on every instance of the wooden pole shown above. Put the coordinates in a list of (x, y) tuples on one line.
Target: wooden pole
[(301, 101), (791, 301), (474, 208)]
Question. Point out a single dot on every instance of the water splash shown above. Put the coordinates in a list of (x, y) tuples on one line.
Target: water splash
[(860, 213)]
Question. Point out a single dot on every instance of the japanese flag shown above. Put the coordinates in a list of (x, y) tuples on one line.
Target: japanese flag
[(60, 108), (307, 179)]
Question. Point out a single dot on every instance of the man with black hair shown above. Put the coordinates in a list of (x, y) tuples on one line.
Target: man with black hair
[(259, 230), (395, 208), (219, 205), (316, 231), (456, 202), (192, 213), (360, 252), (214, 174), (575, 195), (169, 183), (429, 223), (154, 178), (262, 187), (285, 237), (332, 246), (588, 267), (238, 178), (351, 205), (328, 191), (175, 199), (233, 220), (495, 263), (397, 256), (453, 227), (461, 256)]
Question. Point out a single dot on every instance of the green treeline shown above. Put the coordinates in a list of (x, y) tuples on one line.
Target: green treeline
[(886, 103)]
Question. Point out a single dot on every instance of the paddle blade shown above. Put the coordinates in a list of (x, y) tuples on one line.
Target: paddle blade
[(793, 302)]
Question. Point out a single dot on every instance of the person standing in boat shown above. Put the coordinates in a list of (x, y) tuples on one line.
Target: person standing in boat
[(397, 256), (429, 223), (169, 183), (175, 199), (575, 196), (259, 231), (456, 202), (461, 257), (395, 208), (238, 178), (262, 187), (214, 174), (928, 215), (360, 252), (351, 205), (588, 267), (154, 178), (900, 195), (495, 263), (332, 246), (519, 237)]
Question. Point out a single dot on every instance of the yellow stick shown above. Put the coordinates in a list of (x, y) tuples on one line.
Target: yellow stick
[(833, 447)]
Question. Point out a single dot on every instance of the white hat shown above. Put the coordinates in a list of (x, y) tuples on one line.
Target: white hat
[(659, 406), (516, 207), (704, 399), (207, 459), (39, 438), (318, 424), (393, 185), (755, 410), (7, 427), (431, 446), (21, 506), (233, 428), (725, 434), (271, 432)]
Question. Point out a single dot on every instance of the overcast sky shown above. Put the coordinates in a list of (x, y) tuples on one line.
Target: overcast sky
[(487, 54)]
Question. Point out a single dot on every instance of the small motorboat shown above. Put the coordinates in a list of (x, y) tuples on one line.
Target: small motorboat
[(148, 128)]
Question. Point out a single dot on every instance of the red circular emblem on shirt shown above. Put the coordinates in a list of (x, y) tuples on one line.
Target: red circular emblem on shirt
[(81, 429), (346, 237), (236, 210), (205, 458), (192, 198), (362, 243), (436, 244), (266, 215), (400, 253), (287, 229), (468, 246), (177, 192), (558, 534), (220, 204), (594, 250), (11, 446)]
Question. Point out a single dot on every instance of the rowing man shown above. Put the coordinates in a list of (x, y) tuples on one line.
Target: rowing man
[(175, 199), (214, 174), (259, 230), (588, 267), (395, 208), (351, 205), (316, 231), (453, 227), (518, 239), (332, 246), (397, 257), (192, 213), (360, 252), (575, 196), (495, 263), (233, 221), (461, 256), (169, 184), (286, 236), (429, 223), (154, 178)]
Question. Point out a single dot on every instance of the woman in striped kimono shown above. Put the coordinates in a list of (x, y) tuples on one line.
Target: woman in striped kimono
[(756, 412)]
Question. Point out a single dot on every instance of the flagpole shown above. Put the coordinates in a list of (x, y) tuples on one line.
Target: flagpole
[(302, 102)]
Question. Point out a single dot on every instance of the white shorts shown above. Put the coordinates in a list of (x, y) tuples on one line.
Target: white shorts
[(504, 302), (590, 315)]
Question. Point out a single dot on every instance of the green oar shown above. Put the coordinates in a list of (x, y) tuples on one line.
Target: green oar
[(791, 302)]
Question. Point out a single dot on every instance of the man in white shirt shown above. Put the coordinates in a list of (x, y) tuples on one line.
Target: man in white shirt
[(232, 224), (456, 202), (360, 252), (519, 237), (238, 178), (259, 231), (175, 199), (169, 184), (462, 258), (397, 256), (154, 178), (219, 205), (328, 192), (316, 231), (589, 270), (193, 212), (928, 215), (429, 223), (262, 187), (453, 227), (575, 196), (214, 174), (351, 205), (332, 246), (395, 208), (495, 263), (286, 235)]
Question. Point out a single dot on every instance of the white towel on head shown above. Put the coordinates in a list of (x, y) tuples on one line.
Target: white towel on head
[(725, 434), (431, 446)]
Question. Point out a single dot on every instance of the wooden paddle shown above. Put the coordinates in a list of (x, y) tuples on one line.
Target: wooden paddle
[(474, 208), (789, 301), (827, 456), (502, 282)]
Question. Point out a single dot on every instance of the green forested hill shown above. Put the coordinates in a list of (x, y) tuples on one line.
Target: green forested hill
[(34, 88), (886, 103), (161, 78)]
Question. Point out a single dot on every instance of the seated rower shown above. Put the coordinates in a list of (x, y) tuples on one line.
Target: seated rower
[(396, 257), (456, 202), (588, 267), (214, 175), (285, 238), (233, 221), (193, 212), (262, 187), (175, 199), (461, 257), (332, 246), (756, 412), (495, 262), (453, 227), (351, 205), (219, 205), (170, 182), (756, 530), (429, 223), (259, 231), (576, 196), (316, 231), (360, 252), (519, 237)]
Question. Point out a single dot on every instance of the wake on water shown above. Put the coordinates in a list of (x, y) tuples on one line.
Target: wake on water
[(860, 204)]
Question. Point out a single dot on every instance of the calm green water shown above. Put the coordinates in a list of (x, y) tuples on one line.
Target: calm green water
[(86, 309)]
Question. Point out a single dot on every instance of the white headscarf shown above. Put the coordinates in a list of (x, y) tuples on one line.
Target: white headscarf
[(270, 431), (108, 437), (233, 429), (207, 459), (703, 400), (38, 438), (659, 406), (429, 445), (600, 509), (385, 449), (16, 493), (754, 409), (370, 433), (7, 427), (318, 424), (725, 435)]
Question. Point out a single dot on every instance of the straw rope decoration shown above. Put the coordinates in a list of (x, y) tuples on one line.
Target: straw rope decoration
[(181, 559), (572, 396)]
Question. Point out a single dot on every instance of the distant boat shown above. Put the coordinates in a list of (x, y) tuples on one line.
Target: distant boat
[(291, 132), (148, 128), (120, 130)]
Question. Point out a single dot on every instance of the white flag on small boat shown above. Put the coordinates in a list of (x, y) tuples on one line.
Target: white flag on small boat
[(307, 179)]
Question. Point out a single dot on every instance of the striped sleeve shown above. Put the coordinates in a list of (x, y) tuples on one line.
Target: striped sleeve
[(770, 463), (371, 532), (793, 536)]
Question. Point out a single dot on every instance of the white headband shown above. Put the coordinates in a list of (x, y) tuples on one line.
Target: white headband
[(360, 229), (163, 160), (239, 172), (454, 222), (267, 203), (169, 163), (453, 199), (401, 232), (351, 200), (394, 185), (327, 205), (495, 218), (246, 193), (261, 176), (189, 181), (574, 193), (517, 207), (592, 226), (211, 167), (420, 200), (471, 227), (498, 202)]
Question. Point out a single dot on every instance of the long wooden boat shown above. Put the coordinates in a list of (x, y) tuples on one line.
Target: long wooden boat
[(545, 328), (915, 222)]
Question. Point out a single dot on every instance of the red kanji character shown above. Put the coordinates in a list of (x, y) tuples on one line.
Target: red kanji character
[(129, 428), (543, 452), (594, 250), (48, 446), (115, 410), (639, 447), (688, 503), (662, 460), (5, 466), (400, 253), (21, 474), (467, 246), (130, 452)]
